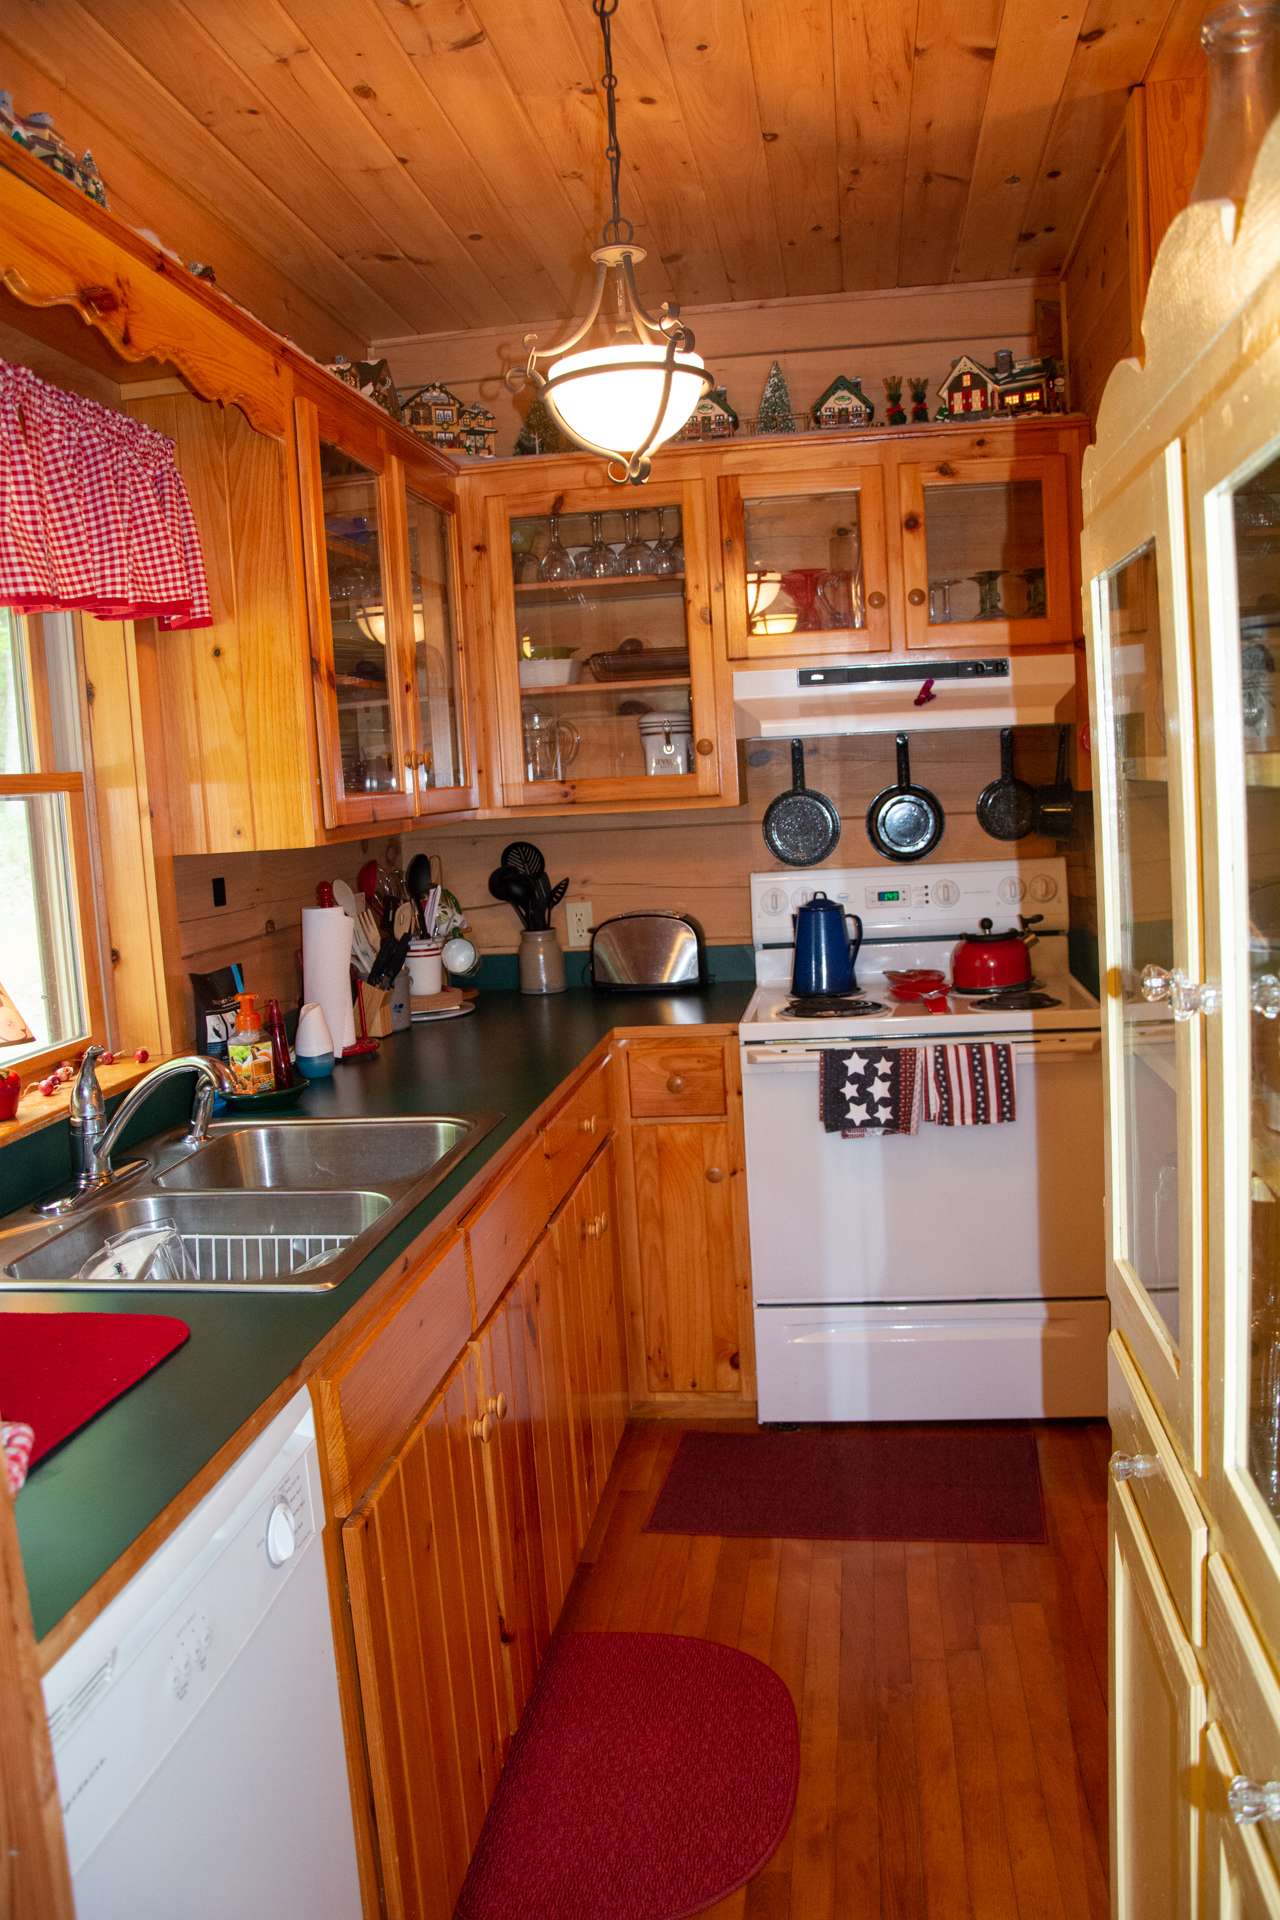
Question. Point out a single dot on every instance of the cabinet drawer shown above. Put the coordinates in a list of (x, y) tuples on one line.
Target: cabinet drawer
[(370, 1395), (505, 1226), (1178, 1530), (673, 1080), (572, 1135)]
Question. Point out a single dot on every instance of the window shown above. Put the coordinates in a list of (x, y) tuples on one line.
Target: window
[(49, 961)]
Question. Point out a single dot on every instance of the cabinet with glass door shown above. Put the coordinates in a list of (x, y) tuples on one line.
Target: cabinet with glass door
[(604, 669), (986, 557), (805, 568), (380, 572)]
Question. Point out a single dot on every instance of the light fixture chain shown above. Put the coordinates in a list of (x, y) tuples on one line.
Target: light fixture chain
[(616, 229)]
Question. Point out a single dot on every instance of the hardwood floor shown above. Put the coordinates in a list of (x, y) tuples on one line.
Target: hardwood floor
[(952, 1699)]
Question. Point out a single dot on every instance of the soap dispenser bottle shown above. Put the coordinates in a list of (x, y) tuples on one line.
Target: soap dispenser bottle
[(249, 1050)]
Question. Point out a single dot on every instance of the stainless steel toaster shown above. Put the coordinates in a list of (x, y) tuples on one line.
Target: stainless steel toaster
[(647, 953)]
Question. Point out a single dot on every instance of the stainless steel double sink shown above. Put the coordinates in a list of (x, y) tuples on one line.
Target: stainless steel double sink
[(278, 1206)]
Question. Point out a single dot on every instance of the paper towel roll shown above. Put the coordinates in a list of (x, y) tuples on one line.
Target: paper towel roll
[(326, 969)]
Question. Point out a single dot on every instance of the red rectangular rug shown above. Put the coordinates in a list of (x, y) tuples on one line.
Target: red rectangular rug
[(973, 1482)]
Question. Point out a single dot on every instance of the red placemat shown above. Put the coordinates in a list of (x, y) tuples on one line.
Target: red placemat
[(57, 1370)]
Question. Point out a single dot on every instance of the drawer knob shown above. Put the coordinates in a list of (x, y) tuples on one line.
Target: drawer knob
[(1253, 1800), (916, 597), (675, 1083), (595, 1226), (875, 600), (483, 1428), (588, 1125), (498, 1405), (1134, 1466), (704, 747), (715, 1175)]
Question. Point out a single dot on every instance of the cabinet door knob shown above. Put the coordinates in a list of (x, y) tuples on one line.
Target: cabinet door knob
[(498, 1405), (411, 761), (875, 600), (589, 1124), (715, 1175), (483, 1428), (595, 1226), (704, 747), (1186, 997), (916, 597), (675, 1083), (1134, 1466), (1253, 1800)]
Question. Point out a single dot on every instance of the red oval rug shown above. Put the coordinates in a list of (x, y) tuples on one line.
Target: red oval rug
[(652, 1774)]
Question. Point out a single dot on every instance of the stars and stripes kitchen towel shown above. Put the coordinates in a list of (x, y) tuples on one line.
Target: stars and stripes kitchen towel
[(970, 1085), (873, 1090)]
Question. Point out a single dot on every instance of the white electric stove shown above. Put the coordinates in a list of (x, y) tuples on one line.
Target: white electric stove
[(953, 1273)]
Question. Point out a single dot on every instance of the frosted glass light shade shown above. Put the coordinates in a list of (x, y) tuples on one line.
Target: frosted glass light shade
[(762, 590), (613, 397)]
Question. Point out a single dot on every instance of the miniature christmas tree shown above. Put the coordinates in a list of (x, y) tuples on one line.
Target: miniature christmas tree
[(775, 404), (895, 413), (919, 398), (541, 432)]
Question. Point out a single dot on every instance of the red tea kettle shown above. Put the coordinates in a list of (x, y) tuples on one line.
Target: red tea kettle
[(985, 961)]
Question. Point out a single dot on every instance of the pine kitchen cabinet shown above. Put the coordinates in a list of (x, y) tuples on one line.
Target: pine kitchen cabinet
[(938, 539), (690, 1337), (1182, 577)]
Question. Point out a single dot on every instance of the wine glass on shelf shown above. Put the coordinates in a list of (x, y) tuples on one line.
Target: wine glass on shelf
[(637, 555), (987, 581), (599, 560), (557, 562), (667, 557)]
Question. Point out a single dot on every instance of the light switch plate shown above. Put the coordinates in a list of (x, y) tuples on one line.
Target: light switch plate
[(577, 919)]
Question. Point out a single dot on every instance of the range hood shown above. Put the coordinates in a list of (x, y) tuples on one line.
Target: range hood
[(889, 696)]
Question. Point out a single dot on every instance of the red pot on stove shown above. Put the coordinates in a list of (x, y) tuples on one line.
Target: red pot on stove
[(986, 960)]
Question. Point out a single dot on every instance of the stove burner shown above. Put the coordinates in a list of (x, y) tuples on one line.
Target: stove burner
[(828, 1006), (1030, 999)]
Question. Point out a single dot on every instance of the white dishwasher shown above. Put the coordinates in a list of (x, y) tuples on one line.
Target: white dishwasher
[(195, 1723)]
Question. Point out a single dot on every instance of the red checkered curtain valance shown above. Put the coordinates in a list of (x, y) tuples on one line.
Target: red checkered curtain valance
[(94, 515)]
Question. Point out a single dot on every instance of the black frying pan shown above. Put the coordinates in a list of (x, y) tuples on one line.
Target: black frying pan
[(1007, 806), (905, 822), (800, 827)]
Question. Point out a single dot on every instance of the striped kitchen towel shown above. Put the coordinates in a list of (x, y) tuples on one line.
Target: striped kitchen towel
[(970, 1085), (872, 1090)]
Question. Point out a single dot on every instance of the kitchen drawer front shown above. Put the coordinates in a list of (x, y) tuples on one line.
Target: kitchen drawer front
[(504, 1227), (370, 1395), (573, 1134), (1144, 1456), (673, 1080), (1239, 1880)]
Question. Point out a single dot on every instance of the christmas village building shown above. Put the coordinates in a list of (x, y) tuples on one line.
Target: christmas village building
[(1010, 386), (844, 404), (712, 419)]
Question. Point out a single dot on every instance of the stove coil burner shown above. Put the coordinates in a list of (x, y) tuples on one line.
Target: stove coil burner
[(1032, 999), (828, 1006)]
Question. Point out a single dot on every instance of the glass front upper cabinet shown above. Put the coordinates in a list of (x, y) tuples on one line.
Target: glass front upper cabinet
[(437, 760), (805, 564), (1145, 800), (984, 552), (608, 671)]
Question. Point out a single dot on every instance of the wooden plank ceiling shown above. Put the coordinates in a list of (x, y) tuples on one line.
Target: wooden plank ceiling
[(366, 169)]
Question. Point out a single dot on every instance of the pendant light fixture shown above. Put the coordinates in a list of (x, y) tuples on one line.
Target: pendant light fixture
[(625, 395)]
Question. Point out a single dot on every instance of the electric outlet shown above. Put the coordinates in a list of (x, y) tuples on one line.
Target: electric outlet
[(577, 917)]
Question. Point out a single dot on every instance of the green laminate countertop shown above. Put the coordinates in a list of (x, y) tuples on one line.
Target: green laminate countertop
[(86, 1504)]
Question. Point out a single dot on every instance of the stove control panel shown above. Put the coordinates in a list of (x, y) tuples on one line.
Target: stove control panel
[(930, 900)]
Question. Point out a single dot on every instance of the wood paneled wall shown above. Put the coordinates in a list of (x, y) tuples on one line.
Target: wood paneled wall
[(695, 863), (907, 331)]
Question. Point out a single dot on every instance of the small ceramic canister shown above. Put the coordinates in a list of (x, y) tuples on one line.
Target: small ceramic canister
[(541, 962), (426, 968)]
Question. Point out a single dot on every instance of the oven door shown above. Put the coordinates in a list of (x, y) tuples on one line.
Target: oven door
[(947, 1214)]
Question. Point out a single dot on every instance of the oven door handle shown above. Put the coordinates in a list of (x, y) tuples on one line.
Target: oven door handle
[(1049, 1047)]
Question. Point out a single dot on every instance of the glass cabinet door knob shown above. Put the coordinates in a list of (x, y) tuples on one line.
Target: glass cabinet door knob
[(1185, 997), (1253, 1800), (1134, 1466), (1265, 996)]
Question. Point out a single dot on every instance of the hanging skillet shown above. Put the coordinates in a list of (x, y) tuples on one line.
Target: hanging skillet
[(1007, 806), (905, 822), (800, 827)]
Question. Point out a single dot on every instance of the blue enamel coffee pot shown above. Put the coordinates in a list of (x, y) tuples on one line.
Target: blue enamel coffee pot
[(826, 957)]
